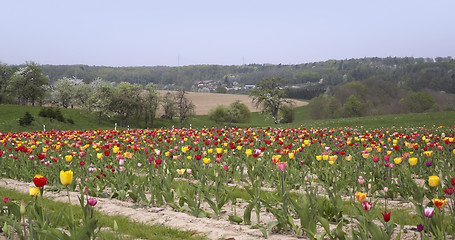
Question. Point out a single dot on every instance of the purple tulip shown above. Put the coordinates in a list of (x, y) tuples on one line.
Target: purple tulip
[(420, 227), (92, 202)]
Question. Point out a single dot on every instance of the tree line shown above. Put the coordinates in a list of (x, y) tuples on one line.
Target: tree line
[(415, 74)]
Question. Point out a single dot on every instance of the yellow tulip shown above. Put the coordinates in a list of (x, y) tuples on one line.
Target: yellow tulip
[(291, 155), (428, 153), (99, 155), (206, 160), (34, 192), (333, 158), (66, 177), (219, 150), (360, 196), (412, 161), (433, 181), (348, 158), (319, 157), (68, 158), (248, 152), (128, 155), (325, 157), (115, 149), (210, 150), (239, 148), (331, 162), (181, 171), (398, 160)]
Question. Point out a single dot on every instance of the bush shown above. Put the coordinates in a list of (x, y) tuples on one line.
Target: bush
[(218, 114), (287, 114), (237, 112), (240, 112), (52, 114), (59, 116), (47, 113), (26, 120)]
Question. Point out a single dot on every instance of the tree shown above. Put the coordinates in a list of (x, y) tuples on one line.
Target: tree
[(82, 93), (168, 104), (100, 99), (5, 74), (185, 108), (352, 107), (151, 99), (27, 84), (269, 96), (63, 93), (125, 102), (220, 89), (420, 102)]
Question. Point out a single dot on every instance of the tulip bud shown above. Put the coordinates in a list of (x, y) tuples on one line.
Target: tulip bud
[(22, 209), (115, 226)]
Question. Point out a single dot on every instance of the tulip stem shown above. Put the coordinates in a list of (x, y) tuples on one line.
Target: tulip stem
[(71, 208), (68, 194)]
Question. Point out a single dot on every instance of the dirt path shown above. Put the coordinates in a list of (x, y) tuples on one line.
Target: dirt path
[(214, 229)]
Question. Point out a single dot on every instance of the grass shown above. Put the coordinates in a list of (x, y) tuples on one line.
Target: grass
[(84, 120), (127, 228)]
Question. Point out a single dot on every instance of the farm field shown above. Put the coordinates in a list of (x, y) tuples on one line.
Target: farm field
[(206, 101), (280, 183)]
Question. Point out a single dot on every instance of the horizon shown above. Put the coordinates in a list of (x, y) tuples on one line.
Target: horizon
[(179, 33), (293, 64)]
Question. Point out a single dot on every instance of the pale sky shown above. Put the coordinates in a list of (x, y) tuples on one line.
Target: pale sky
[(224, 32)]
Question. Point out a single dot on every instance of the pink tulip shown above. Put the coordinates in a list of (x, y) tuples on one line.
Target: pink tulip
[(361, 180), (92, 202), (281, 166)]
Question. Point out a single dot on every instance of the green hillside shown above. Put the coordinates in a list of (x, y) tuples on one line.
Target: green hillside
[(83, 120)]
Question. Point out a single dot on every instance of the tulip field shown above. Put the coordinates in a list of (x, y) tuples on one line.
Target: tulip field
[(338, 183)]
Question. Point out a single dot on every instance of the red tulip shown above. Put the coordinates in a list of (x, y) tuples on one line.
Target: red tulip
[(386, 216), (40, 182), (448, 191)]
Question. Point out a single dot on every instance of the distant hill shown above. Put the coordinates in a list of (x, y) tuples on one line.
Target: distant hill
[(415, 74)]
